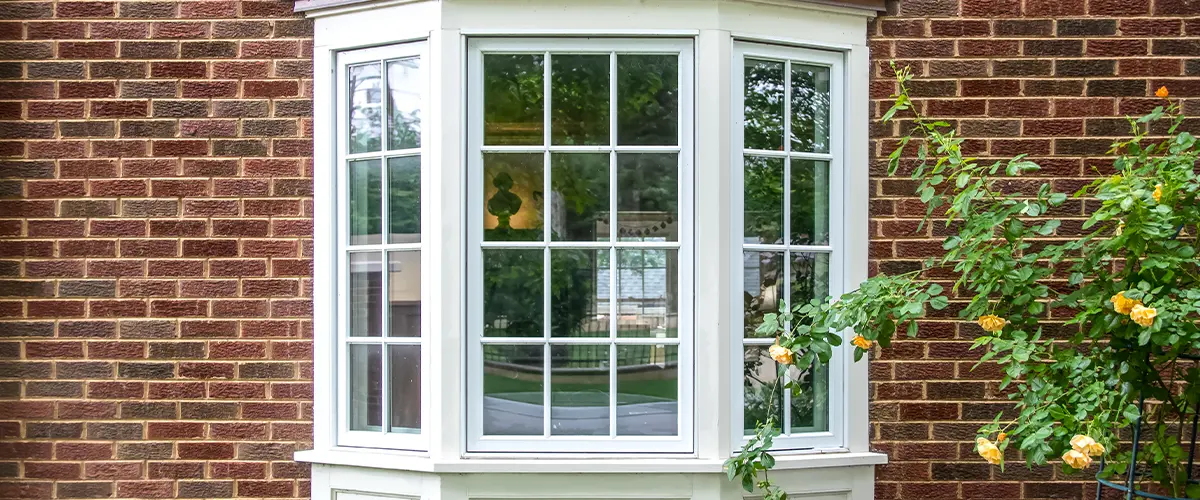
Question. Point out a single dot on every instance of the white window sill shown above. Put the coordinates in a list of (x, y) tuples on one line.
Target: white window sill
[(380, 459)]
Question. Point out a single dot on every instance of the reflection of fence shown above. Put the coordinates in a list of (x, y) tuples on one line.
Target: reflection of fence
[(577, 356)]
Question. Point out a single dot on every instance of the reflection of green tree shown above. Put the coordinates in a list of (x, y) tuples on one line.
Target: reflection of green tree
[(810, 108), (764, 89), (512, 96), (647, 99), (513, 291), (763, 199), (404, 195), (580, 94), (366, 214), (581, 181), (405, 129)]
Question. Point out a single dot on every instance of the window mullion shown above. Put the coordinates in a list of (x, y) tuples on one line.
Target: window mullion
[(613, 281), (787, 222), (547, 229)]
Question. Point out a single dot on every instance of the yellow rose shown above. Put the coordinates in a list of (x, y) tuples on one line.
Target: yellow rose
[(1143, 315), (1123, 305), (989, 451), (1001, 437), (1077, 459), (781, 354), (1081, 442), (992, 323), (1158, 192), (861, 342), (1162, 92)]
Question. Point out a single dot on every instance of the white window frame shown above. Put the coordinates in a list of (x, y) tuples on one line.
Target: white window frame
[(834, 438), (383, 438), (684, 442)]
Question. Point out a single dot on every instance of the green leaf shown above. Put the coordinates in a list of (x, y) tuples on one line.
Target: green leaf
[(940, 302)]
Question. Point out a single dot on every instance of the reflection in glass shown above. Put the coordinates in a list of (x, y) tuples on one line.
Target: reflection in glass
[(512, 196), (764, 105), (810, 108), (513, 85), (759, 389), (366, 117), (366, 387), (513, 390), (366, 207), (512, 293), (404, 384), (404, 82), (648, 197), (648, 99), (647, 390), (574, 305), (404, 294), (810, 277), (763, 221), (579, 95), (647, 300), (762, 288), (580, 197), (810, 202), (404, 199), (579, 389), (810, 403), (366, 294)]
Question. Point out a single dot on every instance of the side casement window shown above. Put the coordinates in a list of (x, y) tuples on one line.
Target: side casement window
[(788, 176), (579, 238), (380, 97)]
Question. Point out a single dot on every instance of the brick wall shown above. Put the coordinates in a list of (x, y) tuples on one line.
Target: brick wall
[(1051, 78), (155, 223)]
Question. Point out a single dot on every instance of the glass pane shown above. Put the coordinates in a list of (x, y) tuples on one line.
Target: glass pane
[(810, 277), (764, 105), (366, 387), (810, 202), (404, 294), (648, 99), (404, 199), (763, 221), (366, 117), (759, 389), (579, 92), (810, 404), (580, 197), (648, 197), (404, 372), (647, 293), (761, 286), (810, 108), (512, 293), (366, 207), (404, 82), (513, 389), (366, 293), (574, 299), (512, 196), (579, 390), (647, 390), (513, 85)]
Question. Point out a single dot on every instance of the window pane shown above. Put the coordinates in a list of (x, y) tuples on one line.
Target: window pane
[(404, 294), (366, 293), (810, 202), (513, 85), (365, 114), (512, 197), (762, 288), (579, 390), (648, 197), (404, 199), (647, 301), (366, 387), (404, 103), (574, 304), (810, 277), (759, 389), (579, 90), (512, 293), (647, 390), (810, 405), (580, 197), (763, 184), (513, 389), (810, 108), (366, 207), (648, 99), (764, 105), (404, 367)]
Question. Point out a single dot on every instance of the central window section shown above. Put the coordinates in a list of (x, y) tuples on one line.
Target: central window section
[(580, 275)]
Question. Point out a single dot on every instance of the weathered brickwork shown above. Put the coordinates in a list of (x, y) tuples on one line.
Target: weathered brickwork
[(1050, 78)]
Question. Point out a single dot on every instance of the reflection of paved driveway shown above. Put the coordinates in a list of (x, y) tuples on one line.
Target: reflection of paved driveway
[(509, 417)]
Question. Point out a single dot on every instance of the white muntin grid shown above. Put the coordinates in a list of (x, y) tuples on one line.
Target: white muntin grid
[(548, 441)]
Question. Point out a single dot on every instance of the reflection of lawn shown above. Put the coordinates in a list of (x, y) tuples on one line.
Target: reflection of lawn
[(528, 391)]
